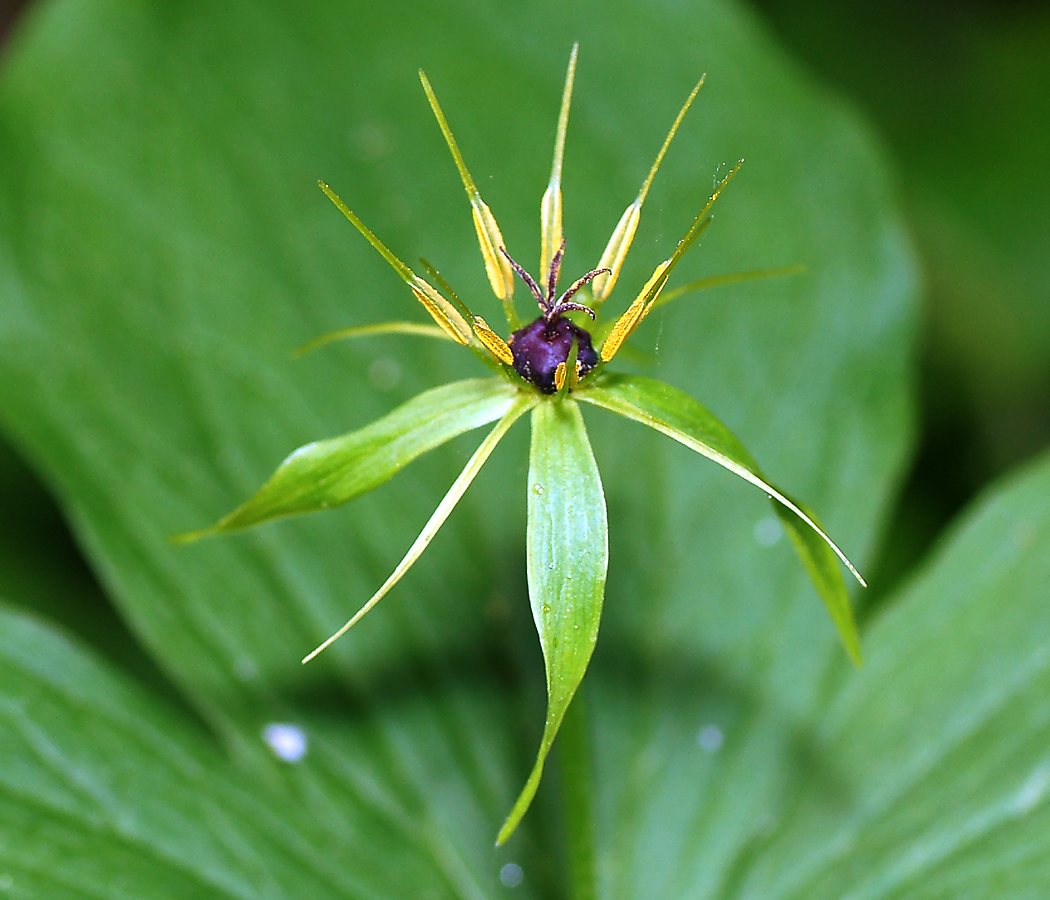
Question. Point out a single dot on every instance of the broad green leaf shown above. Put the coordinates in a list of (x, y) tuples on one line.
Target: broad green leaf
[(106, 792), (680, 417), (568, 556), (331, 472)]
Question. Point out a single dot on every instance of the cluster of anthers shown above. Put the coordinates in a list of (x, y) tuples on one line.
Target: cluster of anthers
[(552, 353)]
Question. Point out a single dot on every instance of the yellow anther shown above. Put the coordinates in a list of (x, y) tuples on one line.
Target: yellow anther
[(559, 376), (441, 311), (622, 330), (550, 228), (637, 311), (616, 252), (492, 341), (501, 275)]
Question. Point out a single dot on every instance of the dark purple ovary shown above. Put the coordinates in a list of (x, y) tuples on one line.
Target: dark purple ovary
[(540, 347)]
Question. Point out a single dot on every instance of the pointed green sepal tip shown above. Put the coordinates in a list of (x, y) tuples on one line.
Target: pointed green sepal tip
[(525, 798)]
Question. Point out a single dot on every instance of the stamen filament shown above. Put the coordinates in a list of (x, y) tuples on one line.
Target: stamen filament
[(667, 141), (444, 313), (404, 271)]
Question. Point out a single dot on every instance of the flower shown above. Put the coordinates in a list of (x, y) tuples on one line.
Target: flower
[(547, 367)]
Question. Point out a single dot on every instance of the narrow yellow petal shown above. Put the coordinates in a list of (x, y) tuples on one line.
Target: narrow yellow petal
[(712, 281), (492, 341), (417, 328), (442, 312), (550, 207)]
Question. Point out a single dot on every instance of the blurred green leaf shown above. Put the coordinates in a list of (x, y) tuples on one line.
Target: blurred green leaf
[(106, 793), (163, 248), (329, 473), (926, 775), (961, 92), (568, 557)]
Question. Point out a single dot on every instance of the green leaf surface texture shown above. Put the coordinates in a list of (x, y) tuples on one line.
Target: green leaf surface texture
[(681, 418), (567, 557), (105, 792), (926, 775), (328, 473), (164, 249)]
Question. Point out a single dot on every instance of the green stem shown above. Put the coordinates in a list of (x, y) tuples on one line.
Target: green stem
[(574, 755)]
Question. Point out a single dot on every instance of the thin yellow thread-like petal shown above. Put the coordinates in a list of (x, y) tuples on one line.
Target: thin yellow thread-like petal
[(492, 341), (441, 311), (550, 207), (417, 328), (712, 281), (437, 519)]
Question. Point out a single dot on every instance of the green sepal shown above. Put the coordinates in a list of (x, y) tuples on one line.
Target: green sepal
[(567, 557), (679, 416), (328, 473)]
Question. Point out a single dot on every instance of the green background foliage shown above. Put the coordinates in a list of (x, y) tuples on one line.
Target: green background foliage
[(163, 248)]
